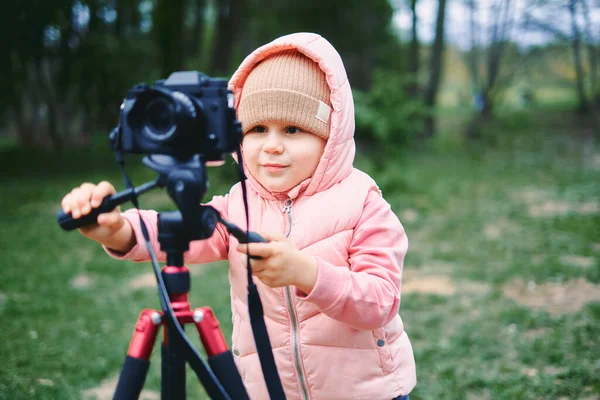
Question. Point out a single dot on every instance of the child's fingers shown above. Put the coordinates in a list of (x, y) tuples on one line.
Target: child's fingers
[(272, 236), (256, 249), (65, 203), (257, 266), (82, 198), (72, 202), (103, 189), (111, 220)]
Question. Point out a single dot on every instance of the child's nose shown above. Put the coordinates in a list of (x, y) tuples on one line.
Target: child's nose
[(273, 143)]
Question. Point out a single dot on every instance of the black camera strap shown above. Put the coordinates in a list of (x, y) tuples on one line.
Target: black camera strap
[(255, 309), (210, 382)]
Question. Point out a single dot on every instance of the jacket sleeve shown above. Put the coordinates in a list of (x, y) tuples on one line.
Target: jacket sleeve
[(367, 294), (212, 249)]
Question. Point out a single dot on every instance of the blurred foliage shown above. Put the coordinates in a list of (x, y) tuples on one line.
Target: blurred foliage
[(68, 63), (386, 114)]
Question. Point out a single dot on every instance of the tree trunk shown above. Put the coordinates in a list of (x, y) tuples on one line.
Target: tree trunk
[(121, 21), (196, 41), (499, 38), (576, 45), (227, 20), (51, 102), (25, 129), (169, 35), (413, 56), (593, 56), (474, 53), (592, 51), (435, 70)]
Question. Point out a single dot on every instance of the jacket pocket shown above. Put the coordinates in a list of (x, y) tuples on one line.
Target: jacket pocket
[(235, 345), (235, 335), (382, 347)]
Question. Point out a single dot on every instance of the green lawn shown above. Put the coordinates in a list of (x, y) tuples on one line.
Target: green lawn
[(501, 291)]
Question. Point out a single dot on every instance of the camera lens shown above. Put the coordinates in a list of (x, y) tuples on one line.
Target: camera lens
[(158, 118)]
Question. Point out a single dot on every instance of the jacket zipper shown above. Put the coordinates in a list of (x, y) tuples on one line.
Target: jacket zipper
[(287, 209)]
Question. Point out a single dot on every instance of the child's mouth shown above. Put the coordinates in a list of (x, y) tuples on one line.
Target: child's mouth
[(274, 167)]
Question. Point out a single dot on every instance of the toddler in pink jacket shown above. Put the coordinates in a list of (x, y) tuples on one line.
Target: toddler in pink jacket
[(329, 277)]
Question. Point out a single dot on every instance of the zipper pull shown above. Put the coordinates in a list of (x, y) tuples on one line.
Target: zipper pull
[(287, 206)]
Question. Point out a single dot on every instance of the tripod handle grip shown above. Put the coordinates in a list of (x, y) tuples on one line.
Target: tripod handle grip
[(254, 237), (68, 223)]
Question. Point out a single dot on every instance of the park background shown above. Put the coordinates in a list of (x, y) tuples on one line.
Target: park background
[(479, 120)]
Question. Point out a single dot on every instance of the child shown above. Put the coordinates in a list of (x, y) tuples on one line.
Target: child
[(330, 274)]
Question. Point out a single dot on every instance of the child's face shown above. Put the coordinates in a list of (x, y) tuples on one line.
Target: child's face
[(280, 156)]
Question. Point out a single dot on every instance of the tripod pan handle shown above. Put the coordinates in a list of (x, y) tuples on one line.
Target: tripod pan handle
[(68, 223)]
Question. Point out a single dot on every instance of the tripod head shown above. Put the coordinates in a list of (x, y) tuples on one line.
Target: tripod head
[(186, 184)]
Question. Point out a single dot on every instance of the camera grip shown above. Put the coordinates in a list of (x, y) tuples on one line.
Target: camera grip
[(68, 223)]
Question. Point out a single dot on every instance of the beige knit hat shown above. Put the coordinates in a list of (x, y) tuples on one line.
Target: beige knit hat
[(286, 87)]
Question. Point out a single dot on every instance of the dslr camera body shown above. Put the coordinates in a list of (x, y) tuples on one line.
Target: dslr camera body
[(184, 115)]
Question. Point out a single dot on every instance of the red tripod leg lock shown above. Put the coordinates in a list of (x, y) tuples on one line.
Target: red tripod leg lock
[(210, 331), (137, 362), (144, 335)]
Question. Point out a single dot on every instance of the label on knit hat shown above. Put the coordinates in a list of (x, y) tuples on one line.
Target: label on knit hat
[(323, 112)]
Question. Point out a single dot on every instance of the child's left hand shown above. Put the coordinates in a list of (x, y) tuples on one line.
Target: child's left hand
[(282, 264)]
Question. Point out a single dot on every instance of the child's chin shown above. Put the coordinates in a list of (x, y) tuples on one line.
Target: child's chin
[(276, 188)]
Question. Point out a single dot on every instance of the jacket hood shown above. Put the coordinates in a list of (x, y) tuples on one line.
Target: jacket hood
[(338, 155)]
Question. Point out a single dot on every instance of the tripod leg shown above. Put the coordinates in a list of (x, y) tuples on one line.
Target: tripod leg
[(220, 358), (172, 368), (135, 368)]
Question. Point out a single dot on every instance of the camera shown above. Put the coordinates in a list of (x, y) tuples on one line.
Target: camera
[(184, 115)]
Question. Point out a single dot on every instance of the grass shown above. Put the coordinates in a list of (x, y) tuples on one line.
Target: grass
[(500, 279)]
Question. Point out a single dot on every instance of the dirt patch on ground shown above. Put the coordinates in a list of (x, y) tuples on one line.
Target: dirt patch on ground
[(429, 280), (435, 284), (498, 229), (536, 333), (548, 370), (578, 261), (81, 281), (45, 382), (555, 208), (409, 215), (530, 195), (554, 297), (143, 281), (542, 204), (106, 390)]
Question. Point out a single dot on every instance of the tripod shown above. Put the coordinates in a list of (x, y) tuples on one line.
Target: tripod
[(186, 185), (135, 368)]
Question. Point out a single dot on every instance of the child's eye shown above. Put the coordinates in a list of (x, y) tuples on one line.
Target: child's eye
[(292, 130), (258, 129)]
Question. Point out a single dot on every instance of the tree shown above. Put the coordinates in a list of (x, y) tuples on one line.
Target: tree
[(227, 25), (435, 69), (576, 41), (359, 30), (413, 53), (573, 35), (169, 34), (486, 61)]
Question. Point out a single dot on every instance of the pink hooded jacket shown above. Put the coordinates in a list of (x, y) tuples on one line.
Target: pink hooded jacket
[(345, 339)]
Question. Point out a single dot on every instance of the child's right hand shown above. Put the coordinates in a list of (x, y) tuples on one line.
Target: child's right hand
[(111, 229)]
